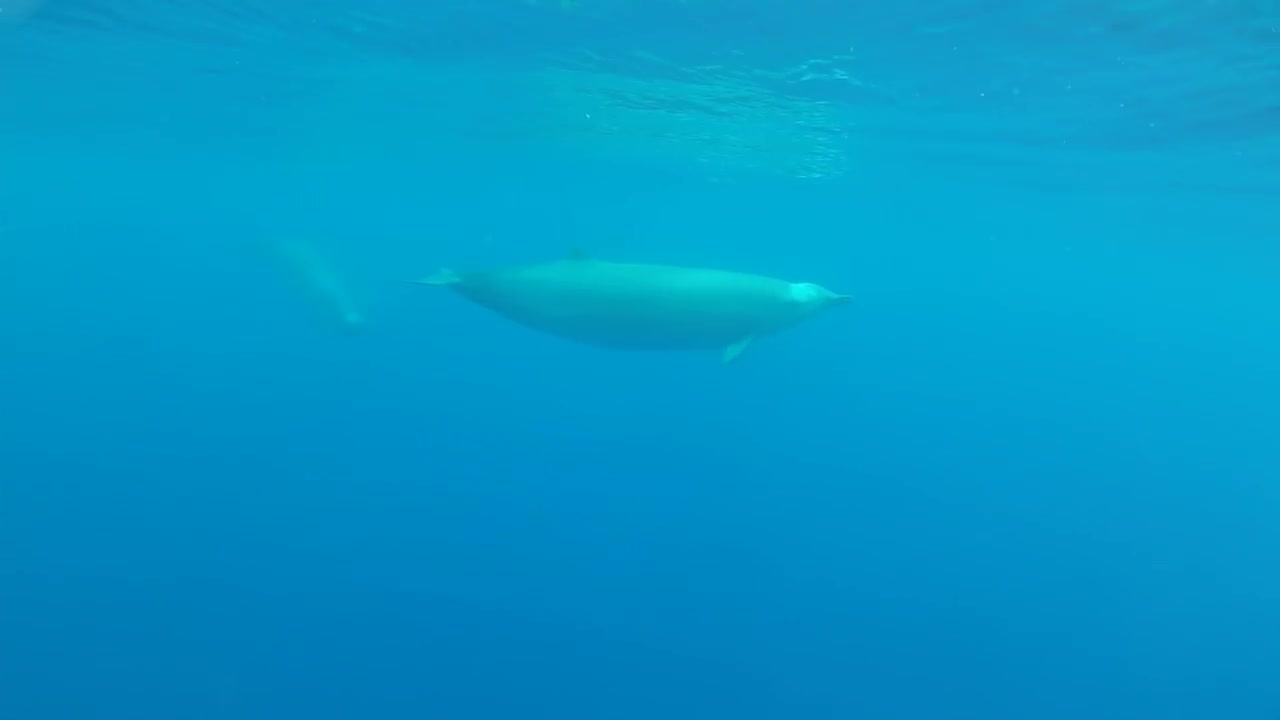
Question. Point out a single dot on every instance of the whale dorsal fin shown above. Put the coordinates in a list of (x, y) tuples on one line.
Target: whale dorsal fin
[(577, 253), (732, 352)]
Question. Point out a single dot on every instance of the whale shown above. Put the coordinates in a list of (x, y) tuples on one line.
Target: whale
[(320, 281), (635, 306)]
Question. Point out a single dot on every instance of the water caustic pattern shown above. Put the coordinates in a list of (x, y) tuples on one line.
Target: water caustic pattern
[(726, 93), (631, 108), (720, 119)]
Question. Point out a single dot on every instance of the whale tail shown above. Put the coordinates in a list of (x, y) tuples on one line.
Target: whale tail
[(444, 276)]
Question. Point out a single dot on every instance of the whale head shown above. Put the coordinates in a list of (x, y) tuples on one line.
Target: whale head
[(811, 297)]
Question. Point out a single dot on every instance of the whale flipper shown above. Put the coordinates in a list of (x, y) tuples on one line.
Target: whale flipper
[(732, 352)]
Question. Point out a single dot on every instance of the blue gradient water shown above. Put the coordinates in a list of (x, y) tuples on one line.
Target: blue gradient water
[(1032, 472)]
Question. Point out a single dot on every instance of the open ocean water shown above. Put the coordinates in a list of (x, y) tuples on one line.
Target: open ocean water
[(248, 471)]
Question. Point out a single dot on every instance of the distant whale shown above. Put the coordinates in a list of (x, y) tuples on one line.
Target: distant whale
[(641, 307), (321, 282)]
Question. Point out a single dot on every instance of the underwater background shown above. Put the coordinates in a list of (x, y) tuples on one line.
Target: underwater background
[(247, 470)]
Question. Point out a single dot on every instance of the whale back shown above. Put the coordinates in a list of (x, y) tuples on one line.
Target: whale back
[(635, 305)]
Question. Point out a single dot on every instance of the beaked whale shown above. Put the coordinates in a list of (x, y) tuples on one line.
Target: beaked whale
[(639, 306)]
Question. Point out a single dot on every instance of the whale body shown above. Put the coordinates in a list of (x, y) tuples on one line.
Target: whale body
[(639, 306)]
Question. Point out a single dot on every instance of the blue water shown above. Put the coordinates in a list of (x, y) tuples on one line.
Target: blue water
[(1033, 471)]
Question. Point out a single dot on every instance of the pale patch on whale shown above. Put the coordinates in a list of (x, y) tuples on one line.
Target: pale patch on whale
[(641, 306)]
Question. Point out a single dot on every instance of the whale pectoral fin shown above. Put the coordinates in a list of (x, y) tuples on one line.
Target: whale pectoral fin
[(732, 352)]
